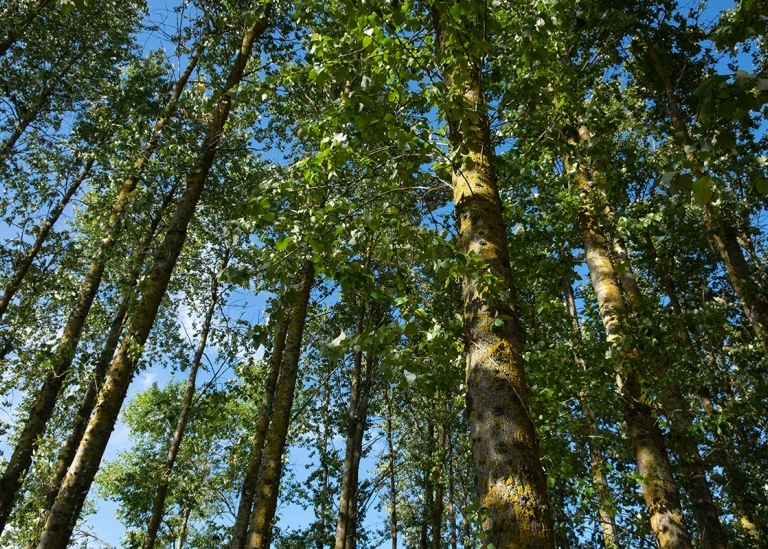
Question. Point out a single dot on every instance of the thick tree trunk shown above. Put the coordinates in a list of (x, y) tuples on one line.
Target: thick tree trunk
[(26, 262), (18, 29), (158, 505), (61, 363), (596, 459), (248, 490), (58, 528), (268, 486), (510, 480), (659, 488)]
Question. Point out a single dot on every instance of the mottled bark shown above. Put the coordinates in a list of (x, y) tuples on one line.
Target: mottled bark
[(17, 30), (268, 485), (681, 423), (596, 459), (158, 504), (61, 362), (659, 488), (248, 490), (23, 266), (58, 527), (510, 480)]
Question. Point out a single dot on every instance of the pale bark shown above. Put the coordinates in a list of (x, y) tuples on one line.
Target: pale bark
[(659, 488), (268, 485), (248, 490), (158, 505), (596, 459), (23, 266), (510, 480), (58, 527), (45, 401)]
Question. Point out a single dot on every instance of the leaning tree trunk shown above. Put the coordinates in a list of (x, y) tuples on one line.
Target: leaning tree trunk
[(248, 490), (510, 480), (58, 527), (158, 505), (659, 487), (45, 401), (753, 300), (18, 29), (596, 459), (267, 488), (22, 268)]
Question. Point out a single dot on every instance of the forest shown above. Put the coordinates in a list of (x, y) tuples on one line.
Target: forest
[(351, 274)]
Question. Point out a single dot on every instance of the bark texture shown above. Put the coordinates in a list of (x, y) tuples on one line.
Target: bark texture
[(660, 490), (58, 527), (510, 480), (268, 485), (248, 490)]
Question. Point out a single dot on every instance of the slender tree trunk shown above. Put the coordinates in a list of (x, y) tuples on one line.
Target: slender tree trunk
[(26, 262), (183, 529), (454, 537), (248, 490), (659, 488), (359, 395), (753, 300), (438, 507), (58, 528), (83, 414), (596, 459), (510, 480), (45, 401), (681, 422), (392, 471), (158, 505), (17, 30), (268, 486)]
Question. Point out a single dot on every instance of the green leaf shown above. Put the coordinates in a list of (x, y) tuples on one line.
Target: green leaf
[(762, 185), (702, 190)]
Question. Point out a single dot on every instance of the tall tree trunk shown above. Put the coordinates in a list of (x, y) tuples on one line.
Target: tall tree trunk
[(510, 480), (248, 490), (18, 29), (454, 537), (596, 459), (83, 415), (58, 527), (158, 505), (753, 300), (392, 471), (26, 262), (268, 485), (438, 506), (181, 538), (359, 397), (61, 363), (659, 488), (681, 422)]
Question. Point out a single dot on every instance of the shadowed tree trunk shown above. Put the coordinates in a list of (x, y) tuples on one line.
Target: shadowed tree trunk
[(510, 480), (58, 527), (267, 488)]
